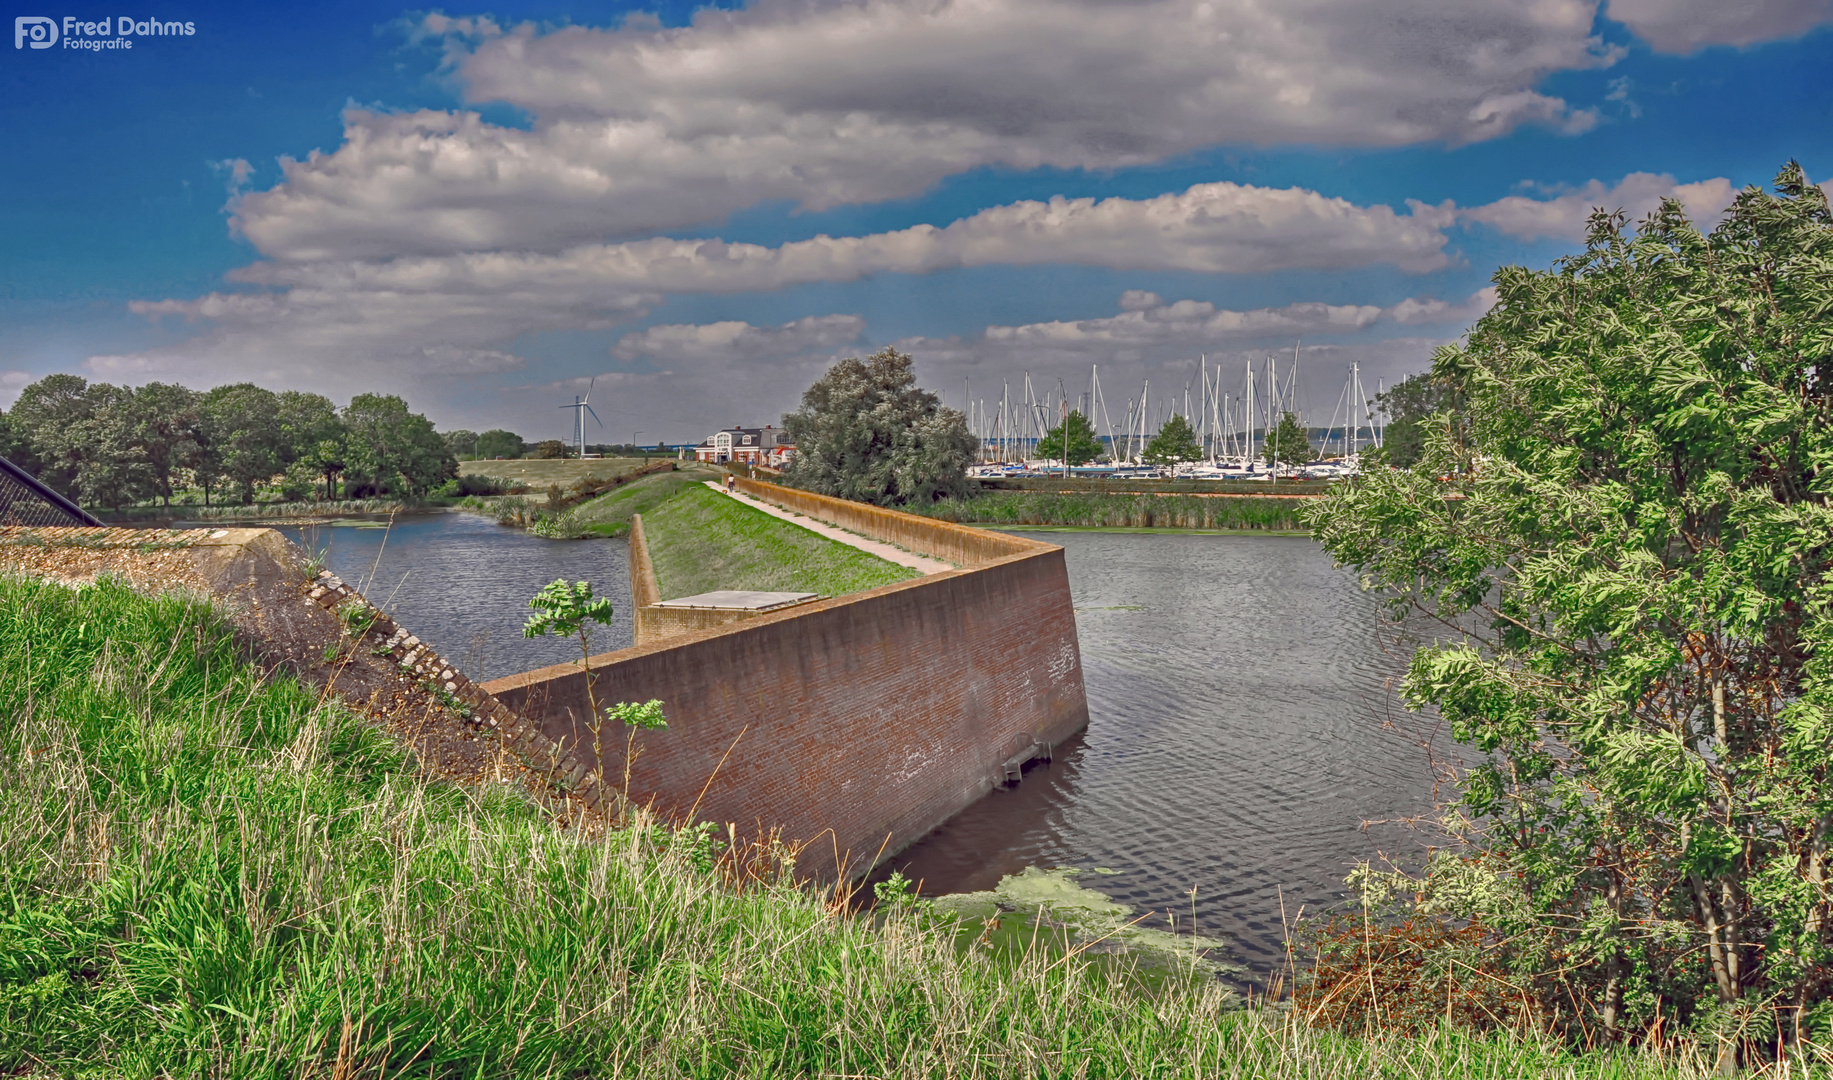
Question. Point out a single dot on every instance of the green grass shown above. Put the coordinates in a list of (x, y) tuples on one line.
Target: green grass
[(538, 473), (609, 514), (1097, 510), (206, 874), (701, 540)]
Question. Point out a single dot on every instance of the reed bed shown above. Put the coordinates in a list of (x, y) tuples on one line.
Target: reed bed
[(1113, 510), (260, 510), (209, 873)]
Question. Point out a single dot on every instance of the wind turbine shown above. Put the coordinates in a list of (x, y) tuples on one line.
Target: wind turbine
[(581, 406)]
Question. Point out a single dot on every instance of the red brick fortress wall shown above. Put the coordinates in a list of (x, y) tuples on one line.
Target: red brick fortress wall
[(854, 724)]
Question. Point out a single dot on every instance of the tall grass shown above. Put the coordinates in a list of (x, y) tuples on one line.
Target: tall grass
[(256, 511), (1101, 509), (701, 540), (208, 874)]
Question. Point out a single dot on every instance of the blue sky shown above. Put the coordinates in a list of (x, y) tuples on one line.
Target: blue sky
[(485, 208)]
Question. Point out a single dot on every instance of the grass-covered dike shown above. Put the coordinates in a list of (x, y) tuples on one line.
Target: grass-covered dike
[(209, 873)]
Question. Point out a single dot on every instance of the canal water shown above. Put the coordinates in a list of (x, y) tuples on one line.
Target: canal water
[(1243, 729), (1244, 749), (462, 582)]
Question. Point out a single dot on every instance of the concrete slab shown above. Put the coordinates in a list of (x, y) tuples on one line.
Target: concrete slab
[(741, 600)]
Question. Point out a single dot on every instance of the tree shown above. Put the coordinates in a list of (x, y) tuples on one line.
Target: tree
[(462, 443), (1404, 410), (1082, 444), (246, 445), (552, 448), (111, 464), (1174, 443), (167, 425), (46, 418), (1634, 541), (498, 443), (867, 432), (1288, 444), (392, 450)]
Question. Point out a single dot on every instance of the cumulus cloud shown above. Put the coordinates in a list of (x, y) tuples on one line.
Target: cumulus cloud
[(1682, 26), (1563, 216), (306, 336), (1149, 327), (641, 129), (1217, 227), (733, 341)]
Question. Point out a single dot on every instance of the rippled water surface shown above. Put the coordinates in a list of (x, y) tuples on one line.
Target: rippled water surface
[(1237, 688), (462, 582)]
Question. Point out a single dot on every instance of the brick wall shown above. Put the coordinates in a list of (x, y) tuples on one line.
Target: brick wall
[(854, 724)]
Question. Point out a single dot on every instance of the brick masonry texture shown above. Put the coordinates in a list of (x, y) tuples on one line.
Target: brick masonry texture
[(856, 724)]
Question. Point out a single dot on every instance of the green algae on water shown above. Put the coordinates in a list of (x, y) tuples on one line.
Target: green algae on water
[(1051, 906)]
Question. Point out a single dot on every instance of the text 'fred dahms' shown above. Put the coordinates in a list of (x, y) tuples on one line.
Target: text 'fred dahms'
[(42, 32)]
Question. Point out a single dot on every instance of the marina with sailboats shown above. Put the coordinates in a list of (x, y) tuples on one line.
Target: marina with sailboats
[(1233, 421)]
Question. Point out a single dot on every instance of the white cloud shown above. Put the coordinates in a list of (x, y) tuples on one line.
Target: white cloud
[(1148, 327), (361, 337), (1682, 26), (734, 342), (11, 382), (1563, 217), (641, 128)]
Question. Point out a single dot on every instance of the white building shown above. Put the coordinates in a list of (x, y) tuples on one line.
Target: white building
[(751, 446)]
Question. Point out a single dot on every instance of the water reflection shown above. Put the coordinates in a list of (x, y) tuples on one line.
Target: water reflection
[(462, 582), (1238, 688)]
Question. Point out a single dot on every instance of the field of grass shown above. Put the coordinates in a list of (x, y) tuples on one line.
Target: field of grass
[(701, 540), (1096, 510), (206, 874), (539, 473)]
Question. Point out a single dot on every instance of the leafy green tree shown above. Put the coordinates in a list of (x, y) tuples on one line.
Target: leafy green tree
[(552, 448), (167, 425), (1404, 410), (1073, 440), (47, 417), (1288, 445), (1174, 443), (867, 432), (111, 464), (498, 443), (1635, 543), (315, 442), (462, 443), (246, 444), (391, 450)]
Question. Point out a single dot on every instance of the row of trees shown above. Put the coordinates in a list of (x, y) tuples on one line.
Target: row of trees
[(112, 445), (1074, 440)]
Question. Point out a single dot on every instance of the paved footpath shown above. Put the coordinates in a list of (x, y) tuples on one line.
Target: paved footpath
[(887, 552)]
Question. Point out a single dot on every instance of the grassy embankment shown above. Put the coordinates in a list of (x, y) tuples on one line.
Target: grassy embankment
[(700, 540), (209, 874), (538, 474), (1090, 509)]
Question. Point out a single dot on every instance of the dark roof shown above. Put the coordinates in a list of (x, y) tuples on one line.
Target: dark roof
[(780, 437)]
